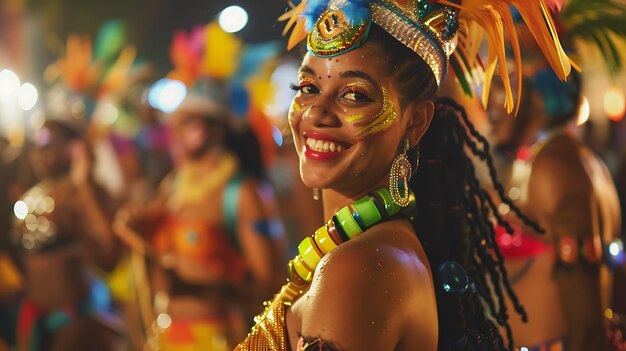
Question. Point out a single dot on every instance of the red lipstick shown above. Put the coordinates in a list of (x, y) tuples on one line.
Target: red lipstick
[(322, 155)]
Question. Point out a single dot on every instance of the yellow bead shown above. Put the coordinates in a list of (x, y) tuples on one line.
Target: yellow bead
[(302, 270), (323, 240), (310, 253)]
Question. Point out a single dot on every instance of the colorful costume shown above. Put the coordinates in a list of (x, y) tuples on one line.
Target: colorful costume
[(570, 250), (35, 232), (34, 325), (207, 245), (211, 246), (574, 252)]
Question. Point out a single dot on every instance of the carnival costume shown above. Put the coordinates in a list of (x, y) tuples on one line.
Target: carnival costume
[(36, 232), (222, 76), (443, 34), (80, 80), (599, 25)]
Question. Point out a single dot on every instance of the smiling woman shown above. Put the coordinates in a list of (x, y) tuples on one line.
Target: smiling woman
[(407, 259)]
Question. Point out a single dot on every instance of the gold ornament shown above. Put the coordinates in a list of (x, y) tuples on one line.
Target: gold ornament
[(401, 170), (316, 194)]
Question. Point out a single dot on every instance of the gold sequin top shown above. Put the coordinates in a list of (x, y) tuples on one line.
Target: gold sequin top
[(270, 331)]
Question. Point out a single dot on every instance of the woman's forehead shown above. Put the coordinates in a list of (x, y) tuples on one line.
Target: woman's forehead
[(365, 59)]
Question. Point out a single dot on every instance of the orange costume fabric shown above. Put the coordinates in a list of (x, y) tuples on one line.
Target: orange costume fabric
[(205, 244)]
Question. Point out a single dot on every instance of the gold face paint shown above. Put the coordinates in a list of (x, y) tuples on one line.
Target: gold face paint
[(295, 106), (355, 117), (382, 120)]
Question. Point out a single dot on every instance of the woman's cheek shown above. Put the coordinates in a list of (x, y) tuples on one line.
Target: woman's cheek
[(295, 113)]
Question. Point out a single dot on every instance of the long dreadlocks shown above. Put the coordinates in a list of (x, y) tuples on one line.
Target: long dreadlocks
[(456, 217)]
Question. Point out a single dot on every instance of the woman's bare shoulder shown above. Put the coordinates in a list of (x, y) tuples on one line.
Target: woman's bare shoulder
[(367, 292)]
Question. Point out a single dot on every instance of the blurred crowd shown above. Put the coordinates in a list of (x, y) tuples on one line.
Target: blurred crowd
[(157, 213)]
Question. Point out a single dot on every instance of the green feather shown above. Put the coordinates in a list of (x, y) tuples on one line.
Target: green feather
[(594, 21)]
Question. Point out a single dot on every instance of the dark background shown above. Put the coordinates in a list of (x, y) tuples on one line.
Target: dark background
[(150, 23)]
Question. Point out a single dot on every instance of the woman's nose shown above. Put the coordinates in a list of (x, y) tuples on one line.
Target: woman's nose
[(321, 115)]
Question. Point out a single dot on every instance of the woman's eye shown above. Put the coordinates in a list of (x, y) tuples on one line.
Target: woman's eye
[(305, 88), (356, 96)]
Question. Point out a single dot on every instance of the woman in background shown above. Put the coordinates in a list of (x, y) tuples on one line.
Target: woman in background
[(62, 227), (212, 230)]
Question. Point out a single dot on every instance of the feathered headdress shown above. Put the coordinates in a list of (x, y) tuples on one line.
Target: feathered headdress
[(93, 72), (441, 32), (229, 72)]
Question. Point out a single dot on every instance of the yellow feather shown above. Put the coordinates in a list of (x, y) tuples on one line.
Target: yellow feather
[(117, 77), (295, 23), (494, 19), (297, 35), (222, 52)]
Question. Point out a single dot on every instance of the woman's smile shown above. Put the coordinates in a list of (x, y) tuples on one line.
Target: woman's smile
[(323, 147)]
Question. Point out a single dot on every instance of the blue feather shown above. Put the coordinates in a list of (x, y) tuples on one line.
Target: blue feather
[(357, 11), (313, 10)]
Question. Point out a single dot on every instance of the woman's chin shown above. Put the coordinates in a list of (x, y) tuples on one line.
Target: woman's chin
[(314, 182)]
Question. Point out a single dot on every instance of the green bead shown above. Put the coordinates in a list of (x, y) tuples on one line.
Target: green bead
[(367, 211), (390, 207), (348, 223)]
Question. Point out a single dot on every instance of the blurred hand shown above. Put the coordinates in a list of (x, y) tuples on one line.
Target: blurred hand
[(82, 162), (130, 226)]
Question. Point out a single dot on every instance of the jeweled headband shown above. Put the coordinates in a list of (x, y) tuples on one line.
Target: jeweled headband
[(442, 32)]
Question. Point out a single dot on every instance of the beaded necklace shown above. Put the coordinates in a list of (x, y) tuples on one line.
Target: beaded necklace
[(348, 223)]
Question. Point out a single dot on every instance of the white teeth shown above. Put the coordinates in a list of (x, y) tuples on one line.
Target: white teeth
[(323, 146)]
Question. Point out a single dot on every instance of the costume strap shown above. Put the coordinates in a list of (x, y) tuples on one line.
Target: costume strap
[(231, 205)]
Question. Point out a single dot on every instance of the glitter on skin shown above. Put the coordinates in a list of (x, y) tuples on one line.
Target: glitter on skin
[(383, 119), (307, 80), (362, 86), (355, 117)]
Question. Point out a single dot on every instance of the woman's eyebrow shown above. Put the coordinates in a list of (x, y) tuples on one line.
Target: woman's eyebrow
[(358, 74), (307, 69)]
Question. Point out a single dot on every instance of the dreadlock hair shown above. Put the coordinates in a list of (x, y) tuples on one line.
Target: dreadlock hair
[(455, 219)]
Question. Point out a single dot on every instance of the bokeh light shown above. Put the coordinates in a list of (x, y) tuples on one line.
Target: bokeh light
[(277, 135), (9, 84), (583, 112), (167, 94), (285, 73), (27, 97), (233, 19), (20, 209), (614, 104), (108, 113)]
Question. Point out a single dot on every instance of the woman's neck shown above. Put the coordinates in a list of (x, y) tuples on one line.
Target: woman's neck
[(333, 199)]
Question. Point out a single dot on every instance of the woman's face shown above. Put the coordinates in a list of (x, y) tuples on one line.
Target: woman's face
[(51, 153), (346, 121), (193, 135)]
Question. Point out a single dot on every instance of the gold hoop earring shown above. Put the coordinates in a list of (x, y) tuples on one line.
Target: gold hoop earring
[(399, 178)]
